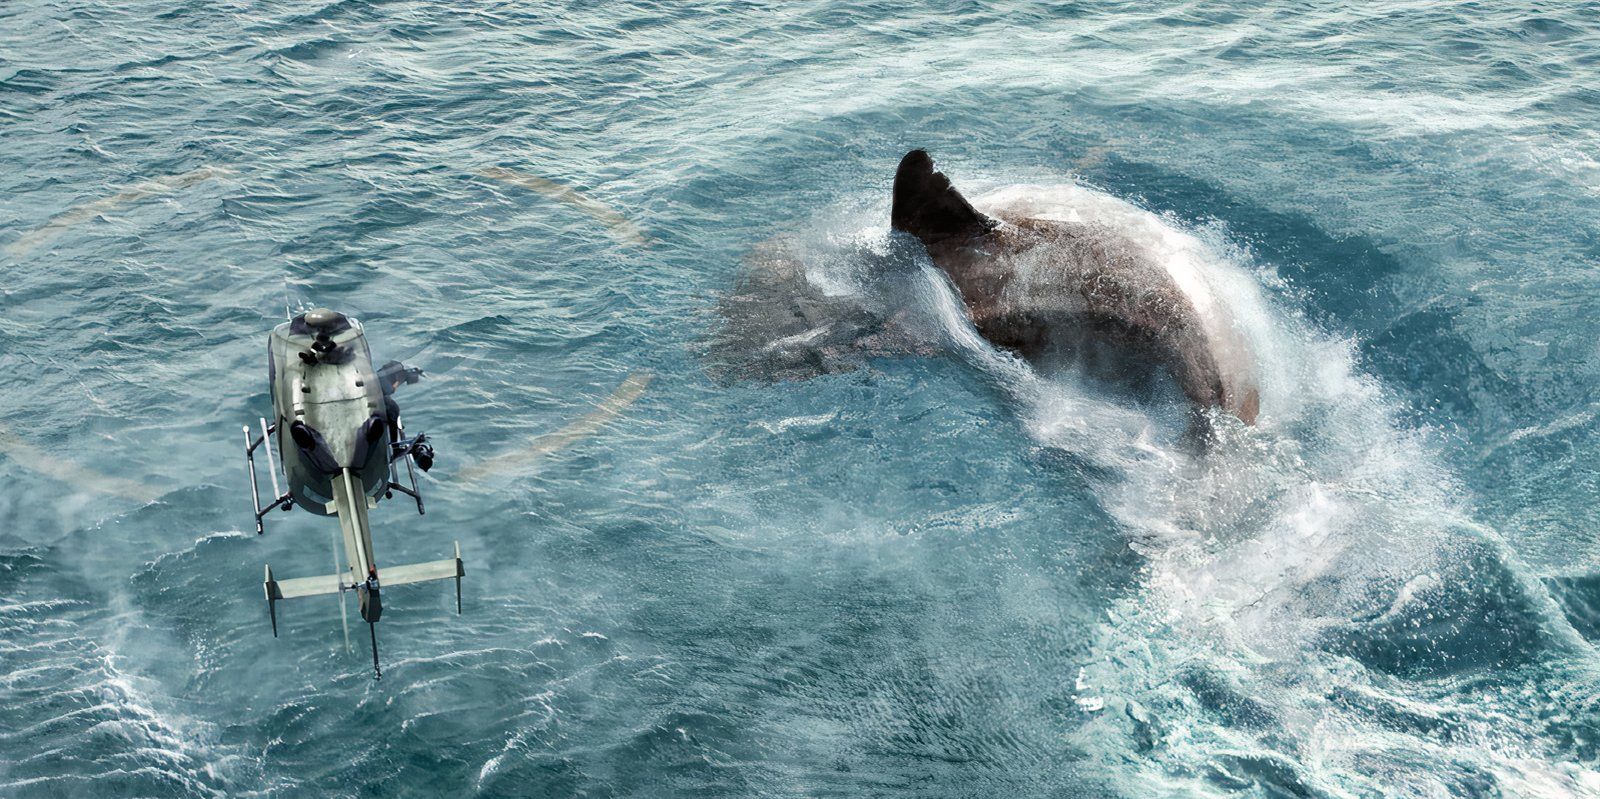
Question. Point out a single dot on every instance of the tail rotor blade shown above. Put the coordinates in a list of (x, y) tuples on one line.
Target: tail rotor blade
[(344, 615)]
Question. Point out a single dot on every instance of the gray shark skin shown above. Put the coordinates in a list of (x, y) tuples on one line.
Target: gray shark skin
[(779, 326), (1042, 286)]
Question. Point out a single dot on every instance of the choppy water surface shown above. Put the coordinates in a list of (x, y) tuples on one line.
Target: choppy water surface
[(933, 576)]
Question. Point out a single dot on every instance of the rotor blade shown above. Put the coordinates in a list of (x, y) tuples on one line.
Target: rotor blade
[(622, 228), (77, 215), (431, 358), (608, 409), (70, 472)]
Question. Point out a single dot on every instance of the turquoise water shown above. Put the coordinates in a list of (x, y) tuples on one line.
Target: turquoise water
[(936, 576)]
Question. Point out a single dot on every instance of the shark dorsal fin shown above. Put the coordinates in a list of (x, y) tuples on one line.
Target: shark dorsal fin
[(928, 207)]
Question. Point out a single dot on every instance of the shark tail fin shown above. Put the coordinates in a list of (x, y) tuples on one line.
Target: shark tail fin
[(928, 207)]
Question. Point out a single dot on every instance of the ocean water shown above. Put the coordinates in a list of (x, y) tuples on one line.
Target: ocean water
[(940, 574)]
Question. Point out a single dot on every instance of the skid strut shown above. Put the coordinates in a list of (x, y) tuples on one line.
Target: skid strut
[(283, 500)]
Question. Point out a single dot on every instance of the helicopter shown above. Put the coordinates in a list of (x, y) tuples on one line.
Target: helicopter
[(340, 444)]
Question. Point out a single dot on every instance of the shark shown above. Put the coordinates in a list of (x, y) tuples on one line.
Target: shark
[(1056, 289)]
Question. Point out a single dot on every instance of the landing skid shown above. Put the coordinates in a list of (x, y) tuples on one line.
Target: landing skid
[(284, 500)]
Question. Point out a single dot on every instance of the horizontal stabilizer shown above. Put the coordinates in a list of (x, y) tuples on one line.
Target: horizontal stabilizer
[(295, 588), (421, 572), (449, 568), (306, 586)]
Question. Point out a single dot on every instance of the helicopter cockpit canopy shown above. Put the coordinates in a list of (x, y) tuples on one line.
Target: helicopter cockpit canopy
[(331, 403)]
